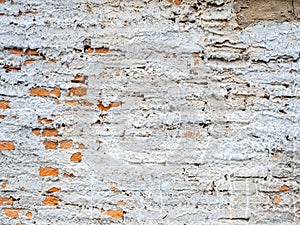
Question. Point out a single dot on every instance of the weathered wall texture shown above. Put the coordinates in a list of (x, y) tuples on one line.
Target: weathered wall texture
[(149, 112)]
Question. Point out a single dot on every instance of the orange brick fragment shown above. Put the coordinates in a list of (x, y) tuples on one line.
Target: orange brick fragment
[(78, 91), (50, 133), (112, 186), (42, 92), (81, 146), (277, 200), (195, 54), (111, 105), (115, 213), (79, 79), (30, 12), (72, 103), (68, 175), (19, 51), (6, 201), (188, 134), (76, 157), (54, 189), (7, 145), (50, 200), (2, 116), (44, 120), (28, 62), (121, 202), (10, 68), (36, 131), (284, 188), (90, 50), (66, 144), (48, 172), (177, 2), (3, 186), (31, 52), (29, 215), (16, 51), (4, 104), (50, 144), (1, 1), (101, 50), (12, 213)]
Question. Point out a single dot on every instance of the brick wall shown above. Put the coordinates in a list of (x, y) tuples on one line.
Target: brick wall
[(156, 112)]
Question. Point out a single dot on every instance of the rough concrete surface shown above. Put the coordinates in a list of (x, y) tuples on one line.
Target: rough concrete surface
[(155, 112)]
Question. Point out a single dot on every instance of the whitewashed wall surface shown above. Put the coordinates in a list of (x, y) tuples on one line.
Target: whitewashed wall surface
[(149, 112)]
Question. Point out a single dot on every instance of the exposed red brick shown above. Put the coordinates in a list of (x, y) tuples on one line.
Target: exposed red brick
[(44, 120), (76, 157), (284, 188), (2, 116), (50, 144), (79, 79), (195, 54), (66, 144), (121, 202), (50, 133), (20, 51), (31, 52), (178, 2), (188, 134), (12, 213), (112, 186), (81, 146), (50, 200), (30, 12), (111, 105), (29, 215), (42, 92), (6, 201), (1, 1), (72, 103), (36, 131), (115, 213), (101, 50), (10, 68), (4, 104), (277, 200), (7, 145), (90, 50), (54, 189), (3, 186), (78, 91), (68, 175), (48, 172), (28, 62), (16, 51)]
